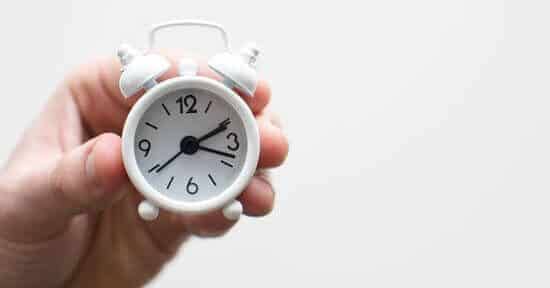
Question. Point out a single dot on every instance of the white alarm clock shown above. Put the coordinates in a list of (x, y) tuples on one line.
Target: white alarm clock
[(190, 144)]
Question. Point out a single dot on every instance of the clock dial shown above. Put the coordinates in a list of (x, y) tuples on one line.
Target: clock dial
[(190, 145)]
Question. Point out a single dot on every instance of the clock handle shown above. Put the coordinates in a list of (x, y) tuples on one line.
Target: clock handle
[(233, 210), (198, 23)]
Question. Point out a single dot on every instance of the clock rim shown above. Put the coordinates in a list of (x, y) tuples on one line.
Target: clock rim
[(241, 180)]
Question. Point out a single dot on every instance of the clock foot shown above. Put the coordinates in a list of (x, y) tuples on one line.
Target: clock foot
[(147, 211), (233, 210)]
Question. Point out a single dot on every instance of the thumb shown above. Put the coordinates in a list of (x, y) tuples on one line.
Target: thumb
[(89, 178)]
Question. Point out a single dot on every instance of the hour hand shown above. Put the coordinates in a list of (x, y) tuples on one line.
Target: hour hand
[(217, 152), (225, 122), (221, 127)]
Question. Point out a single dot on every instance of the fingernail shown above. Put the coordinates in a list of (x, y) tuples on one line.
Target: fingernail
[(276, 121), (265, 176), (90, 165)]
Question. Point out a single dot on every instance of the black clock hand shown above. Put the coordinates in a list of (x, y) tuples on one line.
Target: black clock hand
[(217, 152), (169, 161), (221, 127), (190, 144)]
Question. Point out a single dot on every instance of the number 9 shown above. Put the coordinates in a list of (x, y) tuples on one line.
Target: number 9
[(145, 146)]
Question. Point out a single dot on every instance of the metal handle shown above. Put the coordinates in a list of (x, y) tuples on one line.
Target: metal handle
[(199, 23)]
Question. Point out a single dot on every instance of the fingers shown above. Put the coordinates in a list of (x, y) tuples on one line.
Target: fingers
[(257, 200), (170, 229), (95, 88), (210, 225), (257, 103), (259, 197), (103, 109), (89, 178), (273, 142), (261, 98)]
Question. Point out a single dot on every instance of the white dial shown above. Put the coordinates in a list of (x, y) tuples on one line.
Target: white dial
[(190, 144)]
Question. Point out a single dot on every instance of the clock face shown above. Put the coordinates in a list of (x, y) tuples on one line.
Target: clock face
[(190, 144)]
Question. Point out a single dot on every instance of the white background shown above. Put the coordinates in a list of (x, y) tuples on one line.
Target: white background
[(419, 133)]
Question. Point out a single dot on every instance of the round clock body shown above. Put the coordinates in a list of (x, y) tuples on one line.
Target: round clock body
[(190, 145)]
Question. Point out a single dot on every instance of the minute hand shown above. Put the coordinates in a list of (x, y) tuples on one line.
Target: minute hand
[(221, 127), (217, 152), (169, 161)]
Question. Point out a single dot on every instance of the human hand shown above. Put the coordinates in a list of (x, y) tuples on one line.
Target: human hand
[(68, 213)]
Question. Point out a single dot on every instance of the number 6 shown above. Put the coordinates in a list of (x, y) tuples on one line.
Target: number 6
[(192, 187)]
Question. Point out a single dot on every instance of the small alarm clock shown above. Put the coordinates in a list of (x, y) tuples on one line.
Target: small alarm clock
[(190, 144)]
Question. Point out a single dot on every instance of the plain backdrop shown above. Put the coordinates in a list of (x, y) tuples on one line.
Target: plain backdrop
[(419, 133)]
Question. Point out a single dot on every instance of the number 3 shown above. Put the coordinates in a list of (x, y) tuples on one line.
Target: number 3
[(235, 145)]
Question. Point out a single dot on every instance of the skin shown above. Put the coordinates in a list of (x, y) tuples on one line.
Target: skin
[(67, 209)]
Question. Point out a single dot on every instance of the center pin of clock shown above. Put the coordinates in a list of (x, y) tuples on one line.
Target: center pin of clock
[(189, 145)]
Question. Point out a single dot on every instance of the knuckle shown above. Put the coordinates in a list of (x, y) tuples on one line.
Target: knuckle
[(209, 226), (206, 232)]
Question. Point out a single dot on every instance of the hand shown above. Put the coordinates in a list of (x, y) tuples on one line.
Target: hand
[(67, 209)]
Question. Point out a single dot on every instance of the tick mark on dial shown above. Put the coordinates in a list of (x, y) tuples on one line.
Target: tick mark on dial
[(212, 179), (207, 107), (165, 109), (226, 163), (170, 182), (151, 125), (153, 168)]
